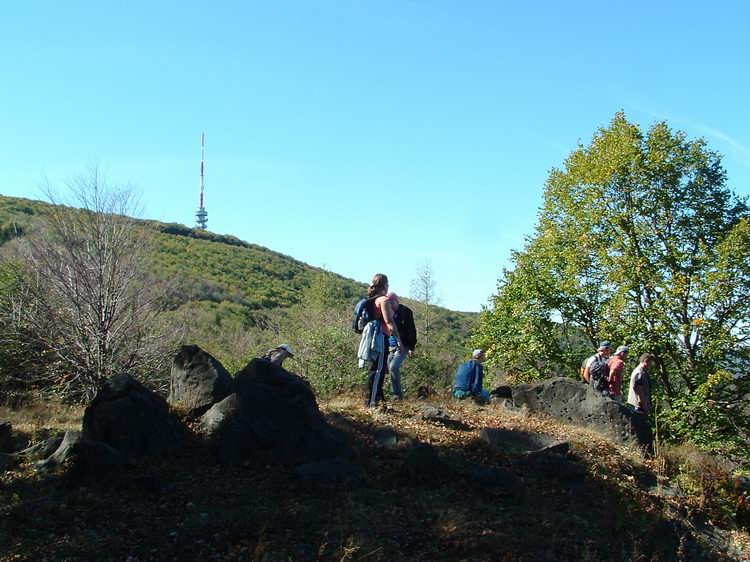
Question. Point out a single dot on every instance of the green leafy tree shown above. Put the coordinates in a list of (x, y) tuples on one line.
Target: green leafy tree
[(639, 240), (325, 348)]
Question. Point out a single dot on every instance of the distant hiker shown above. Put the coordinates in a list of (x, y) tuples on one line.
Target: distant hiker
[(596, 372), (469, 378), (405, 324), (616, 365), (374, 339), (278, 354), (639, 395)]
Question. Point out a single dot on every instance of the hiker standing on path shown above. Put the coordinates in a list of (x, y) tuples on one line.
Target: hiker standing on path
[(616, 366), (383, 312), (469, 378), (639, 395), (596, 372), (405, 324)]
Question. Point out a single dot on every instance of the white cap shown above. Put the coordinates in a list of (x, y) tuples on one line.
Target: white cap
[(286, 348), (477, 353)]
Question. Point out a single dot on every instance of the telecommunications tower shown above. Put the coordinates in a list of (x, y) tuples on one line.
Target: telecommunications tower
[(201, 216)]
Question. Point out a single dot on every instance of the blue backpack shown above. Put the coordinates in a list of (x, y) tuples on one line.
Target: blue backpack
[(364, 313)]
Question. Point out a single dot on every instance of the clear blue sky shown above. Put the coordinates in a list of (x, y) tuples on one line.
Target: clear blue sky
[(437, 120)]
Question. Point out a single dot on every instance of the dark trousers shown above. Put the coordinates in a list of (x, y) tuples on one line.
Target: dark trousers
[(376, 374)]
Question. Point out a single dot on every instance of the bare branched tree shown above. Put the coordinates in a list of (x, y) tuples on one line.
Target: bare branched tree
[(91, 307), (423, 290)]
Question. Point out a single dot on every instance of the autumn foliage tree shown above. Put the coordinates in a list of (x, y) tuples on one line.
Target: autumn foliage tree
[(639, 240)]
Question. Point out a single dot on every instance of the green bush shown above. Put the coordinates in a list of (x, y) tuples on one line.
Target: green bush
[(713, 417)]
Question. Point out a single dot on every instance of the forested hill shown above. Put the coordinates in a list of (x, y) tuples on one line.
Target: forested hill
[(212, 267), (234, 298)]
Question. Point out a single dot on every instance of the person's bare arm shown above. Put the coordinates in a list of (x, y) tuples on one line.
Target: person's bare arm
[(388, 318)]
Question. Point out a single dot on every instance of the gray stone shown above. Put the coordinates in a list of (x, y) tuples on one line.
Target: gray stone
[(198, 381), (523, 442), (276, 420), (66, 448), (575, 402), (41, 450), (386, 437), (132, 419), (218, 416), (434, 414), (86, 460), (505, 403), (332, 472)]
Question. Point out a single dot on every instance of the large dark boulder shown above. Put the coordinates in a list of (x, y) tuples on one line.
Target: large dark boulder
[(275, 419), (575, 402), (132, 419), (198, 380)]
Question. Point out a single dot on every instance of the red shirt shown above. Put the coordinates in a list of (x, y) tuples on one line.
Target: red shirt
[(616, 366), (380, 302)]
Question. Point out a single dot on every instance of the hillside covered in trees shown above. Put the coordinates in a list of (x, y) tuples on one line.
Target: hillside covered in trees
[(233, 298)]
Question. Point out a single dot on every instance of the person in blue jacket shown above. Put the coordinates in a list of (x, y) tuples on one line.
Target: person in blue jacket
[(469, 378)]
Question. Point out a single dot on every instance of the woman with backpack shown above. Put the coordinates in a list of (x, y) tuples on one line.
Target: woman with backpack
[(383, 311)]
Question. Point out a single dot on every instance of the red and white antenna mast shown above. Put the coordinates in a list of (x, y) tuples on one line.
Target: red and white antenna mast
[(201, 216)]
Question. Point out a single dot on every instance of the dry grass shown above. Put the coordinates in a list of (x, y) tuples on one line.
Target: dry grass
[(40, 418), (599, 505)]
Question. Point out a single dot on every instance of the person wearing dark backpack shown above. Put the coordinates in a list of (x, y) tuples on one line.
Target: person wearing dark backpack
[(405, 325), (383, 315), (596, 372)]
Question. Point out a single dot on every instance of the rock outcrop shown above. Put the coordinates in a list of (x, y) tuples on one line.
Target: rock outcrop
[(274, 419), (575, 402), (41, 450), (132, 419), (87, 460), (198, 381), (218, 416)]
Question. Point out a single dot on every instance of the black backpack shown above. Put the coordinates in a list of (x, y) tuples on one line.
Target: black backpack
[(599, 373), (405, 325), (364, 313)]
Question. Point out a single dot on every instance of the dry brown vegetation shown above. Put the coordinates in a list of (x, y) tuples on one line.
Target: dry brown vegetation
[(606, 503)]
